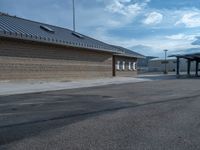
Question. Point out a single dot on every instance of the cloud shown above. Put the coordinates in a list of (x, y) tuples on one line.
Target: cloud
[(126, 7), (153, 18), (190, 19), (112, 14), (181, 36), (150, 46), (197, 41)]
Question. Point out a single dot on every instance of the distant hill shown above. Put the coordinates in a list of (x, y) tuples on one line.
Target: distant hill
[(145, 50)]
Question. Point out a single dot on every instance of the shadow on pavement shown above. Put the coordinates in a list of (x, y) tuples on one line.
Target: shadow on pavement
[(102, 105)]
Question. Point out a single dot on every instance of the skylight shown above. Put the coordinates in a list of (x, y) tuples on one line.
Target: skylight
[(48, 29), (78, 35)]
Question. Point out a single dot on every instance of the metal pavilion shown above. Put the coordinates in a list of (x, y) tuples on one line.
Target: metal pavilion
[(190, 58)]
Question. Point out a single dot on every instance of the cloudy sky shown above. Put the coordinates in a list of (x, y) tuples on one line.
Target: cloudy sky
[(146, 26)]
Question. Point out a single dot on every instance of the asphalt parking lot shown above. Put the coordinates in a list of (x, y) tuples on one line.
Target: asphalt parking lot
[(157, 115)]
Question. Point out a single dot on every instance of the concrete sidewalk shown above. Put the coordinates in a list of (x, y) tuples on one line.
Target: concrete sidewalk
[(10, 88)]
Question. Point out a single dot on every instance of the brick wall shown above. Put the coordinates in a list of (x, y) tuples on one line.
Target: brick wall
[(26, 60)]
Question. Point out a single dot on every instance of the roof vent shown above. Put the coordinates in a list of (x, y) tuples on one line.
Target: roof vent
[(47, 29), (78, 35)]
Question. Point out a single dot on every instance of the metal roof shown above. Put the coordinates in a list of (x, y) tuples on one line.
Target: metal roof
[(126, 52), (19, 28), (15, 27), (191, 56)]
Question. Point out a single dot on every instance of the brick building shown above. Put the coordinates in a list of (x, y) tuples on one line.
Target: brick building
[(33, 50)]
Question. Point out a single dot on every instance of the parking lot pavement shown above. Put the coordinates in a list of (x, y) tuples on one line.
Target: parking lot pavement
[(163, 114)]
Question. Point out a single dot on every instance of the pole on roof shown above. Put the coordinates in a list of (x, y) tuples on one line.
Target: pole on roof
[(74, 16)]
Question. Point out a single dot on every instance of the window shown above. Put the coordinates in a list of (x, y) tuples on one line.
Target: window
[(118, 65), (134, 66), (123, 65), (129, 66)]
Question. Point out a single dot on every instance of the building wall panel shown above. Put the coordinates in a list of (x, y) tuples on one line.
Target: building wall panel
[(25, 60)]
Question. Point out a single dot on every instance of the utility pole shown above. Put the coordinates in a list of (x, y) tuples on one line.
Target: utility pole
[(74, 16), (165, 72)]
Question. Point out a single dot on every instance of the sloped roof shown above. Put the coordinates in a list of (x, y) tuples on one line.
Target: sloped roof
[(19, 28), (15, 27), (191, 56), (191, 53)]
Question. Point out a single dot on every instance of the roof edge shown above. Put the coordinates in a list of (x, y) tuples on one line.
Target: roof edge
[(55, 43)]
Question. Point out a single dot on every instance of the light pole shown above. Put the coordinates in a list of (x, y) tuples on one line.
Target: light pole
[(165, 72)]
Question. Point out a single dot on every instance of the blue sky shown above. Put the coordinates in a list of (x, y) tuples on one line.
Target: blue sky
[(146, 26)]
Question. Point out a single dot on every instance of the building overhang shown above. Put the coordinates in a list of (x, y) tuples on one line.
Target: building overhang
[(130, 56)]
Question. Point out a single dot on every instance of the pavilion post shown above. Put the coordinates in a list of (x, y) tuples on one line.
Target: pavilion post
[(188, 67), (197, 68), (178, 66)]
